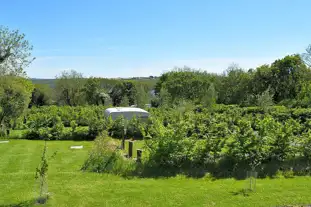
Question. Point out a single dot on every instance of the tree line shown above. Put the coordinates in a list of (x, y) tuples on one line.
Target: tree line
[(286, 81), (73, 89)]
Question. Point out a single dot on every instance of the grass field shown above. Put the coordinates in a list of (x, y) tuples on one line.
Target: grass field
[(71, 187)]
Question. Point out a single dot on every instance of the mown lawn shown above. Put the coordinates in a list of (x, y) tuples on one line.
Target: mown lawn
[(71, 187)]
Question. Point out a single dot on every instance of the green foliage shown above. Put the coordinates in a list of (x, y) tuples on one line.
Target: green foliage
[(229, 140), (233, 87), (94, 94), (42, 95), (183, 83), (69, 88), (142, 96), (41, 174), (265, 100), (209, 99), (15, 52), (106, 157), (286, 80), (14, 98), (73, 125)]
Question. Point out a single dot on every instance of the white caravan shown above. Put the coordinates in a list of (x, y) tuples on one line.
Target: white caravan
[(127, 112)]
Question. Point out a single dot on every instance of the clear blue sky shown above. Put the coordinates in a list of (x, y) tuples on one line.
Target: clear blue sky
[(146, 37)]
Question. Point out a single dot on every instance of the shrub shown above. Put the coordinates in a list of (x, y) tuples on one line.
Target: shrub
[(288, 173), (105, 157), (57, 131), (96, 126)]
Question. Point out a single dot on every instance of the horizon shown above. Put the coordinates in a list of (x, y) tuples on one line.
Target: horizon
[(123, 39)]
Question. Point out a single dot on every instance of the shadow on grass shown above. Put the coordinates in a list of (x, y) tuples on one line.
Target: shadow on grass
[(156, 172), (242, 192), (28, 203), (227, 169)]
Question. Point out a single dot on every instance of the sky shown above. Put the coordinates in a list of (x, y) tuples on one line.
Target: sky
[(127, 38)]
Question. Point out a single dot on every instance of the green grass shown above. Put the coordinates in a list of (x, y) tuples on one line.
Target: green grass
[(138, 144), (71, 187)]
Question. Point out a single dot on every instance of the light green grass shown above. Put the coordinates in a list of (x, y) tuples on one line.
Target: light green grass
[(70, 187), (137, 144)]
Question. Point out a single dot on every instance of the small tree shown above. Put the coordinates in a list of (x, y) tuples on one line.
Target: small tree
[(165, 98), (141, 96), (209, 98), (41, 174), (265, 100)]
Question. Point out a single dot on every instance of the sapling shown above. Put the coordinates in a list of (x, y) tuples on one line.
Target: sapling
[(41, 174)]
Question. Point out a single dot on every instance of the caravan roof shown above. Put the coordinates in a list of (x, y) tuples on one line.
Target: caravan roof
[(126, 112), (125, 109)]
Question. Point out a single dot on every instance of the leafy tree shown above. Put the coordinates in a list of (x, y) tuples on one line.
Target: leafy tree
[(41, 95), (209, 99), (287, 75), (142, 97), (265, 100), (117, 93), (130, 92), (92, 90), (69, 88), (120, 91), (15, 95), (94, 94), (184, 83), (234, 87), (165, 98), (304, 95), (261, 79), (15, 52)]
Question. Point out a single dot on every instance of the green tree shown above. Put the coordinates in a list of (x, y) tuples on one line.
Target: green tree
[(41, 95), (265, 100), (120, 91), (142, 97), (304, 95), (130, 92), (15, 52), (209, 99), (165, 98), (94, 94), (234, 87), (184, 83), (69, 88), (287, 75), (15, 93), (117, 93)]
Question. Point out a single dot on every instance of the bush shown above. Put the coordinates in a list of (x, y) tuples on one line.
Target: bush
[(105, 157), (288, 173)]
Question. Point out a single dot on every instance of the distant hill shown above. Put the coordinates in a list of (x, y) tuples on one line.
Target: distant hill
[(150, 81), (50, 82)]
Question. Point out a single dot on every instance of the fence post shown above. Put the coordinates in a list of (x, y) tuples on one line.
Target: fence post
[(131, 149), (123, 139), (139, 154)]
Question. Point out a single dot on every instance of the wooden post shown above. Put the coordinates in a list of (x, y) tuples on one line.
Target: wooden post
[(131, 149), (123, 139), (139, 154)]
